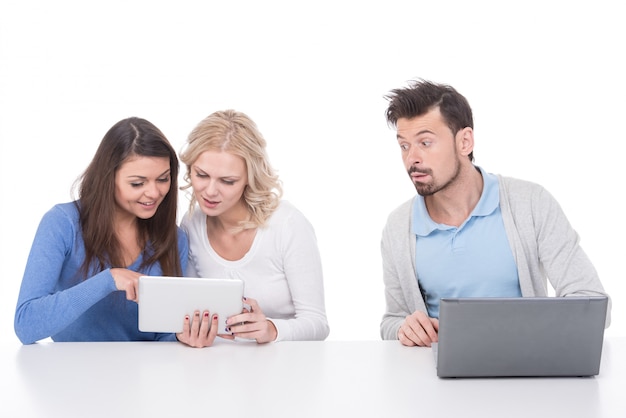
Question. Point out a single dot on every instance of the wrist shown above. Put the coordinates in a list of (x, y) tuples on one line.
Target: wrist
[(272, 330)]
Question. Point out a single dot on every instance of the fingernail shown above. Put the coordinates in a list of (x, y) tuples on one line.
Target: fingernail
[(215, 317), (206, 314)]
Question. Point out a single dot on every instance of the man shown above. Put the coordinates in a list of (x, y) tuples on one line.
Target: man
[(467, 233)]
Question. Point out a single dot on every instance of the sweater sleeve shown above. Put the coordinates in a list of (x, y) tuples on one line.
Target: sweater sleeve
[(569, 269), (51, 296), (545, 244), (303, 270), (186, 225), (399, 278)]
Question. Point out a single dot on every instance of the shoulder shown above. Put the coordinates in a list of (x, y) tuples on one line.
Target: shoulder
[(518, 190), (402, 213), (287, 218), (516, 184), (399, 220), (192, 218), (285, 211), (60, 223), (63, 213), (182, 236)]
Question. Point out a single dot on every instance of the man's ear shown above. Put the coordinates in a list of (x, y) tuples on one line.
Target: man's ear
[(465, 141)]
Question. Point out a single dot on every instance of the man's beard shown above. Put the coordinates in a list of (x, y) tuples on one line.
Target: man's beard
[(428, 189)]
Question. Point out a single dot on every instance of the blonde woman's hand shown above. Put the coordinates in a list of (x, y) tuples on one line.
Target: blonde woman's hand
[(128, 281), (252, 324), (200, 331)]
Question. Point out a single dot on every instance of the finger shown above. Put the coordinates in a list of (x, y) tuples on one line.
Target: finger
[(423, 326), (254, 305), (429, 330), (130, 293), (186, 325), (239, 328), (204, 325), (195, 324), (403, 338), (212, 329), (415, 334), (435, 323), (183, 336)]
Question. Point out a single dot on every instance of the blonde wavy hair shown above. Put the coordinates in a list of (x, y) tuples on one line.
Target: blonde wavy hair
[(234, 132)]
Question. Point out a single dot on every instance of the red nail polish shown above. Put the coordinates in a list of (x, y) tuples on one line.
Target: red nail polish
[(206, 314)]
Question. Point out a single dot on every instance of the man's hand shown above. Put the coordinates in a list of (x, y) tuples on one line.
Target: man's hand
[(418, 329)]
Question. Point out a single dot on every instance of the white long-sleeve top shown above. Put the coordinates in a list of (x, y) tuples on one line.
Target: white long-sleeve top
[(282, 270)]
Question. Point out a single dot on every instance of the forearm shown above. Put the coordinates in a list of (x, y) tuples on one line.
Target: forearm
[(40, 316)]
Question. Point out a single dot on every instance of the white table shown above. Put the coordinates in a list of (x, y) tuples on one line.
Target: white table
[(287, 379)]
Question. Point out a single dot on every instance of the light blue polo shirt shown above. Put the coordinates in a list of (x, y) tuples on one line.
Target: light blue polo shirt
[(473, 260)]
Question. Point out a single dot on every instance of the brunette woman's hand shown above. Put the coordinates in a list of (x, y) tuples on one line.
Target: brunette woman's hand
[(252, 324), (128, 281)]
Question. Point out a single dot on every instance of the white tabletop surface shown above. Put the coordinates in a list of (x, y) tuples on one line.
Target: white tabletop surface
[(287, 379)]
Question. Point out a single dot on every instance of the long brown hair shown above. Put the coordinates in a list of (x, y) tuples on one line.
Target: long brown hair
[(96, 205)]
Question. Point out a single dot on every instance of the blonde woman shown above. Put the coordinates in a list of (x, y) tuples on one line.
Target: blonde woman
[(239, 227)]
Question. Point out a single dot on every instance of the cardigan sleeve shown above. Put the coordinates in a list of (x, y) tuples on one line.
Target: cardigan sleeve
[(545, 244)]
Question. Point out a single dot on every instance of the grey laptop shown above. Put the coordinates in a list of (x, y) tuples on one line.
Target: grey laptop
[(548, 336)]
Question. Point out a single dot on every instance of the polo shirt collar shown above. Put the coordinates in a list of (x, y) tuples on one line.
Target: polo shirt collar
[(423, 225)]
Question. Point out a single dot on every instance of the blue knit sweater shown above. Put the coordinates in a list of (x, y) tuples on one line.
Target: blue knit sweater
[(53, 302)]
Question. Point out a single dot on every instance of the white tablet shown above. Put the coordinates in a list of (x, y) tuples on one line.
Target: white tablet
[(164, 301)]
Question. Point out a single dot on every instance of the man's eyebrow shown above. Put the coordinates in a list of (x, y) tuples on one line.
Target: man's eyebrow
[(423, 131)]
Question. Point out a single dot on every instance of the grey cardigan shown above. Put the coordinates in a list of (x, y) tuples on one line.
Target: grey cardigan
[(544, 245)]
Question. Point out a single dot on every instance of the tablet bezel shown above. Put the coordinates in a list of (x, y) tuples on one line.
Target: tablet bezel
[(164, 301)]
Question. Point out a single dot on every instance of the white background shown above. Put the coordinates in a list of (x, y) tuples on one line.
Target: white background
[(545, 80)]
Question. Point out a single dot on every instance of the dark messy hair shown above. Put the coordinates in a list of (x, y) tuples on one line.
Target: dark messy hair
[(422, 96)]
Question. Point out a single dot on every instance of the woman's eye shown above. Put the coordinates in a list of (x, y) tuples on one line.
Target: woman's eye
[(136, 184), (164, 180)]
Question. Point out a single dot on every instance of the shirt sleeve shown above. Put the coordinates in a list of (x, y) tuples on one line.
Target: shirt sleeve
[(45, 305), (303, 271), (186, 225)]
